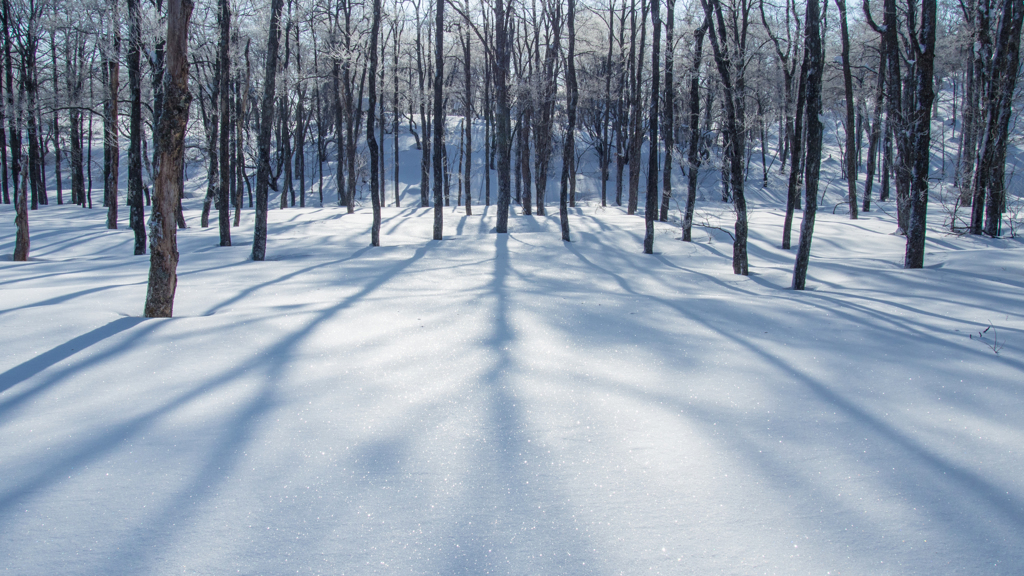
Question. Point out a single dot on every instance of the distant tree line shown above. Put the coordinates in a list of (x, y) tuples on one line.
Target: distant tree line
[(297, 97)]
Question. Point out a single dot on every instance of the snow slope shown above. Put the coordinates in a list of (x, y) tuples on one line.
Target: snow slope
[(510, 404)]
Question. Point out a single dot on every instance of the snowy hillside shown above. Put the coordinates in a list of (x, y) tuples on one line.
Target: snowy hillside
[(510, 404)]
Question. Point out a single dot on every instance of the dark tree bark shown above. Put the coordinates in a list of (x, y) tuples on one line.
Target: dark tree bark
[(74, 83), (339, 128), (371, 139), (651, 205), (424, 122), (224, 189), (606, 144), (22, 239), (110, 145), (438, 120), (813, 55), (30, 81), (976, 16), (730, 60), (259, 244), (171, 133), (876, 132), (789, 65), (13, 113), (468, 126), (670, 118), (569, 146), (394, 105), (241, 110), (211, 122), (5, 112), (542, 130), (636, 137), (693, 153), (796, 153), (851, 135), (622, 109), (56, 126), (921, 131), (895, 112), (352, 112), (136, 213), (989, 187)]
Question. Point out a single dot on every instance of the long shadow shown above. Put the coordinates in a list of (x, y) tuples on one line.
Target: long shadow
[(33, 366), (256, 287), (507, 437), (1004, 504), (63, 298), (61, 273), (218, 465)]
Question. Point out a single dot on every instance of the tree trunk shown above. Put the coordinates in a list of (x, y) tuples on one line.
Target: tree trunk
[(606, 144), (136, 213), (468, 105), (394, 105), (989, 188), (259, 245), (110, 140), (726, 58), (438, 119), (812, 41), (670, 118), (224, 133), (796, 152), (425, 149), (693, 153), (171, 134), (851, 135), (28, 72), (569, 146), (651, 205), (876, 132), (924, 52), (371, 139), (56, 127), (636, 137)]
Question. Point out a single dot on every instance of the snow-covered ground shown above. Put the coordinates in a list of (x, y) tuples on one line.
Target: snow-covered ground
[(511, 404)]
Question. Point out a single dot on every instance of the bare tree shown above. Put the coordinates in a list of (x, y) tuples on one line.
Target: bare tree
[(729, 47), (438, 119), (651, 206), (851, 135), (163, 246), (813, 66), (693, 153), (136, 216), (259, 244), (371, 139), (569, 146)]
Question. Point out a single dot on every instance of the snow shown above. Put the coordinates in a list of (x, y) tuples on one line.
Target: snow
[(512, 404)]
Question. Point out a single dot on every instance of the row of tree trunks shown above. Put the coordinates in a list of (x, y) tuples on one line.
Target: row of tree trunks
[(989, 191)]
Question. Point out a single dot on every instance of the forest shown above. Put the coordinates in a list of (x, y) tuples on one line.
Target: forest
[(511, 286), (276, 97)]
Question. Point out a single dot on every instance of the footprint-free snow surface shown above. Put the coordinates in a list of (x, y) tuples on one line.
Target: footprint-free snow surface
[(510, 404)]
